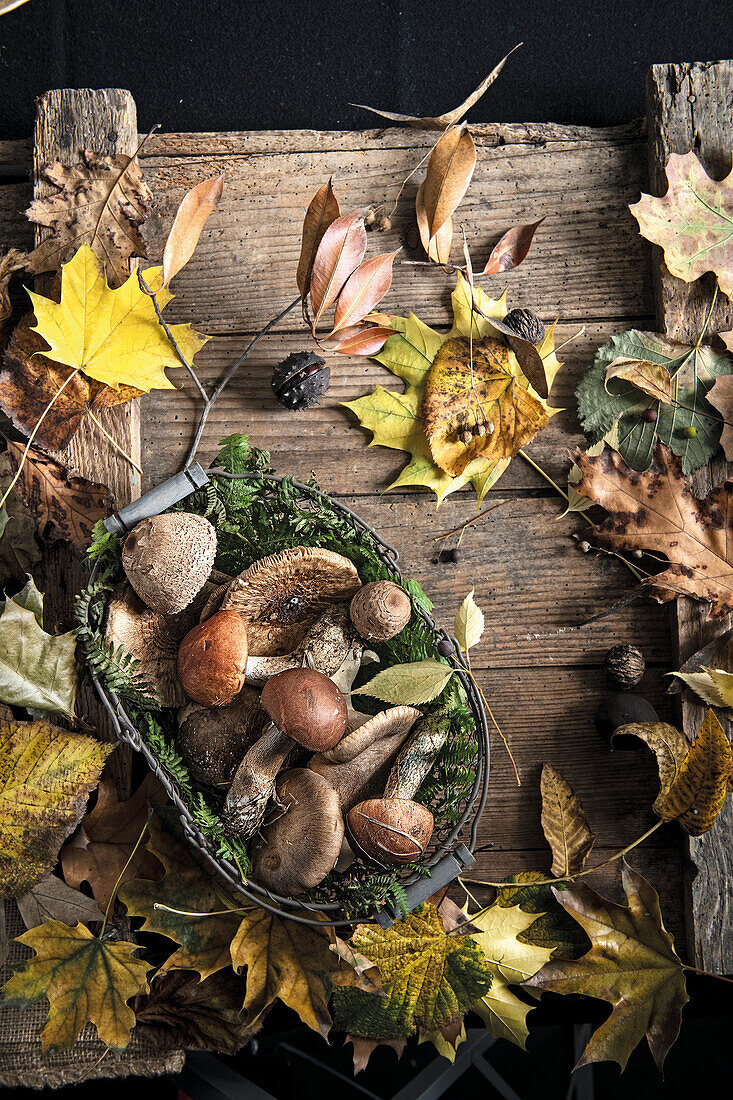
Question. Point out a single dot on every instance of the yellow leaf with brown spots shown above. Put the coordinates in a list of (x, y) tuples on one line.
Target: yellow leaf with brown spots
[(478, 403), (84, 979), (699, 789)]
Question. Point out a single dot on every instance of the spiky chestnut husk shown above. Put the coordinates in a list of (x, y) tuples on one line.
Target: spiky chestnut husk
[(526, 324), (300, 381)]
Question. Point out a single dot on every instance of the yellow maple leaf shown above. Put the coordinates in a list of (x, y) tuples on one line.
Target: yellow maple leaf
[(112, 336), (85, 980)]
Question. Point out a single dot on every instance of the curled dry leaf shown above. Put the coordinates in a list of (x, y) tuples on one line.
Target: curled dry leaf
[(564, 824), (196, 207), (29, 381), (668, 744), (449, 173), (692, 222), (512, 249), (437, 247), (657, 511), (101, 203), (340, 252), (360, 340), (322, 211), (11, 261), (652, 379), (363, 291), (632, 964), (450, 118), (713, 685), (84, 979), (19, 551), (698, 791), (65, 506), (46, 776), (183, 1012)]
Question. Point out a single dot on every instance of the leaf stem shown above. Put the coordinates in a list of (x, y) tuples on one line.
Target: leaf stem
[(706, 973), (469, 522), (493, 720), (128, 861), (113, 442), (212, 913)]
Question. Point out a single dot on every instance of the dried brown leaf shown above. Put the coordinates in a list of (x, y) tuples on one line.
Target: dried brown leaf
[(183, 1012), (651, 378), (101, 202), (52, 899), (340, 252), (363, 291), (668, 744), (564, 824), (360, 340), (364, 1048), (322, 211), (196, 206), (449, 173), (698, 791), (11, 261), (512, 249), (437, 247)]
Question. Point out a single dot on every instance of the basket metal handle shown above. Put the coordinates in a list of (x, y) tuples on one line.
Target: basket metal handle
[(158, 499), (442, 874)]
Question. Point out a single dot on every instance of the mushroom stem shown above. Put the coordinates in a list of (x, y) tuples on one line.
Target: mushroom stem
[(417, 756), (254, 783)]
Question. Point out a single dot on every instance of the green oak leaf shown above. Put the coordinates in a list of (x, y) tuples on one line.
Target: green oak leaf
[(37, 670)]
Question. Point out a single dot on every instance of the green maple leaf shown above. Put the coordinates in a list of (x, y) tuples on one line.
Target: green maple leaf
[(37, 670), (618, 405), (632, 964)]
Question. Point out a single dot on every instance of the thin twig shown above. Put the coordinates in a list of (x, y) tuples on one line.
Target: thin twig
[(462, 528), (171, 338)]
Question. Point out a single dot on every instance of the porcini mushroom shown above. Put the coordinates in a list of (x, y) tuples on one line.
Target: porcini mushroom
[(325, 648), (168, 559), (281, 596), (380, 610), (303, 843), (305, 708), (212, 659), (152, 639), (358, 767), (395, 829), (212, 742)]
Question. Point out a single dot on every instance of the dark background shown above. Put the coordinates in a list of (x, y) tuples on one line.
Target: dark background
[(228, 65), (223, 65)]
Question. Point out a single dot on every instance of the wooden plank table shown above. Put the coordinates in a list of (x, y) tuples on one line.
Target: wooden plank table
[(590, 268)]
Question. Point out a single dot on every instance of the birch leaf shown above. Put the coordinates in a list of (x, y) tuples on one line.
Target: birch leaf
[(469, 623), (409, 684), (564, 824), (84, 979)]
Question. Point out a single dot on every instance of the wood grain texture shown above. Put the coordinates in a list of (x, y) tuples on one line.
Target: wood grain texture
[(67, 123), (689, 108)]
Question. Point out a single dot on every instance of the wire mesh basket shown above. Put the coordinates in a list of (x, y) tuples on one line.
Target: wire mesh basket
[(453, 843)]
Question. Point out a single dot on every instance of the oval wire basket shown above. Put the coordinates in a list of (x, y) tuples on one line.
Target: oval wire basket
[(446, 856)]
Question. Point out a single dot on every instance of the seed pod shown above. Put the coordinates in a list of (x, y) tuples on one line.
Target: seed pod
[(526, 324), (301, 380), (625, 666)]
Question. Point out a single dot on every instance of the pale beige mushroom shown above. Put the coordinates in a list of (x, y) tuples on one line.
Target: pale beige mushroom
[(281, 596), (380, 610), (301, 846), (152, 639), (168, 559), (213, 741), (325, 648)]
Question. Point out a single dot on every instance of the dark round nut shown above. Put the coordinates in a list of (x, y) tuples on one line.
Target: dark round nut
[(453, 555), (444, 647), (625, 666), (649, 415), (619, 710), (301, 380)]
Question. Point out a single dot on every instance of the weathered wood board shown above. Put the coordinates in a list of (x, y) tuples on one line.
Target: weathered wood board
[(588, 267)]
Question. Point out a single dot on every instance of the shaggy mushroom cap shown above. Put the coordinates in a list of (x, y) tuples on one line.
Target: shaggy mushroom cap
[(359, 766), (391, 831), (152, 639), (212, 659), (213, 741), (281, 596), (168, 559), (303, 843), (380, 610)]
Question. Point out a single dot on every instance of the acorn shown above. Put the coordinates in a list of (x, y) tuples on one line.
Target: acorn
[(619, 710), (526, 324), (625, 666), (300, 381)]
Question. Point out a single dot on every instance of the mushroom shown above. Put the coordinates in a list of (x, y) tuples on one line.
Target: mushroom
[(325, 648), (380, 610), (305, 708), (281, 596), (394, 829), (152, 639), (212, 659), (303, 844), (359, 765), (168, 559), (213, 741)]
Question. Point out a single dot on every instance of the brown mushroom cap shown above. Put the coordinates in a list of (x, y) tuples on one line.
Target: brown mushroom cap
[(213, 741), (151, 638), (212, 659), (168, 559), (380, 610), (391, 831), (306, 706), (303, 844), (358, 767), (281, 596)]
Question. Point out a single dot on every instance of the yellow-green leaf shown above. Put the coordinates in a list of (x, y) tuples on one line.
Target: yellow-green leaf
[(84, 979), (37, 670), (469, 623), (46, 776), (410, 684), (698, 791), (110, 335)]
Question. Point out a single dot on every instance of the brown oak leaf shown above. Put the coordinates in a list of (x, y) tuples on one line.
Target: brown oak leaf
[(66, 506), (29, 381), (657, 511), (101, 202)]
